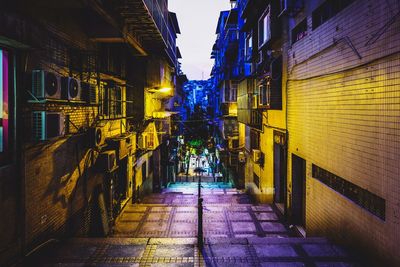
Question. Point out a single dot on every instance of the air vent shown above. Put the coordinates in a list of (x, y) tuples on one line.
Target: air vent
[(89, 93), (47, 125)]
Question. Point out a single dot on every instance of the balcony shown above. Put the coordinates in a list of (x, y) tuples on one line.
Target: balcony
[(147, 20)]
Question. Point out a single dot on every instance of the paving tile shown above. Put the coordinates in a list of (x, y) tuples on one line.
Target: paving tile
[(239, 216), (217, 216), (282, 264), (154, 226), (185, 216), (162, 216), (174, 251), (215, 226), (131, 216), (335, 264), (243, 227), (273, 227), (171, 264), (221, 250), (262, 208), (323, 250), (161, 209), (186, 209), (183, 227), (125, 251), (275, 251), (266, 216), (75, 252)]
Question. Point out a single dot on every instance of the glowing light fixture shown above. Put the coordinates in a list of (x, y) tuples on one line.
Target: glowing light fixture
[(160, 90)]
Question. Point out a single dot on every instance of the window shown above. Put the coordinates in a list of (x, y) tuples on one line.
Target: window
[(328, 10), (265, 93), (270, 89), (113, 101), (254, 139), (264, 28), (300, 31), (234, 88), (4, 106), (150, 144), (144, 171), (249, 47), (227, 91)]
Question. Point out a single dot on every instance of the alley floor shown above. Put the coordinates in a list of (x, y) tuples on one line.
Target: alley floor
[(162, 231)]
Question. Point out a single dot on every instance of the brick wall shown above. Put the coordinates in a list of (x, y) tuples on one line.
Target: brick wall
[(343, 116)]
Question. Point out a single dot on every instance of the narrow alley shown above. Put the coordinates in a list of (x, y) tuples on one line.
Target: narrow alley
[(200, 133), (162, 231)]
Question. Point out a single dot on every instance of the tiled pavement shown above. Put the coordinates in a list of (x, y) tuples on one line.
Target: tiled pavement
[(162, 230)]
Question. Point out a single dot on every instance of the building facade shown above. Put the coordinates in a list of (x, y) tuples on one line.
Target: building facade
[(343, 98), (317, 112), (83, 120)]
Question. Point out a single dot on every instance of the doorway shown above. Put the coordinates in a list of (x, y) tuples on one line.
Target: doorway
[(280, 177), (298, 190)]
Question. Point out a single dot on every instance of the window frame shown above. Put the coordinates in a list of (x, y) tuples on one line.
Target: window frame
[(266, 27), (299, 31), (113, 101), (264, 92), (248, 52)]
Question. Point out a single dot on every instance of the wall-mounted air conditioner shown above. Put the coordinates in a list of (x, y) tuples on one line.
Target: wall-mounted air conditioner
[(47, 125), (97, 137), (89, 93), (107, 161), (71, 89), (46, 85)]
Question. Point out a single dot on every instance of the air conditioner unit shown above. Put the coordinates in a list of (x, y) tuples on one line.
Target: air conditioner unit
[(97, 137), (89, 92), (107, 161), (256, 155), (242, 157), (254, 102), (47, 125), (71, 89), (46, 85)]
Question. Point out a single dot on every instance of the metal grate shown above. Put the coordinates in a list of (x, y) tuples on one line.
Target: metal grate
[(362, 197)]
